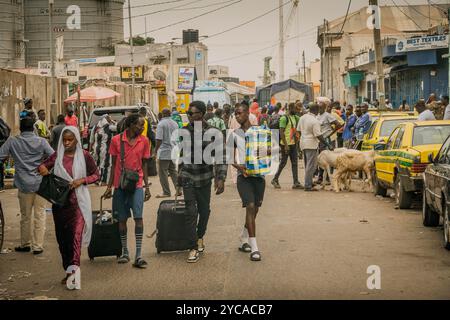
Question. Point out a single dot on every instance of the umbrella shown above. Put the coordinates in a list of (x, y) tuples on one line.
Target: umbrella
[(93, 94)]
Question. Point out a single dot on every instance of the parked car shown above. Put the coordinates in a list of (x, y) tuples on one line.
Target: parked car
[(381, 128), (436, 194), (401, 161), (116, 114)]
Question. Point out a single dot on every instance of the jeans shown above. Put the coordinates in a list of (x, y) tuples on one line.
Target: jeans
[(166, 168), (310, 158), (197, 201), (292, 154)]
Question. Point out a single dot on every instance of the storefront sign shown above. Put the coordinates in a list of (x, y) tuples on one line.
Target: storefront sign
[(422, 43), (126, 75), (186, 78)]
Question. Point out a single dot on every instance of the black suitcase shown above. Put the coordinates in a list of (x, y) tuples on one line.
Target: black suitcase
[(105, 240), (172, 233)]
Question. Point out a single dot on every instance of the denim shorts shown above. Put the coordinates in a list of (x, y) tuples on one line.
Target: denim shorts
[(123, 203)]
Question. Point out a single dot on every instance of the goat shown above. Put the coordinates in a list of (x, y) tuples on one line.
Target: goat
[(348, 163)]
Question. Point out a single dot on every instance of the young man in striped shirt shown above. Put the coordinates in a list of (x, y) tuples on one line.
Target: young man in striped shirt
[(196, 179)]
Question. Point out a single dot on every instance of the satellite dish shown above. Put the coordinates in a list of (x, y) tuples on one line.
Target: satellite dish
[(159, 75)]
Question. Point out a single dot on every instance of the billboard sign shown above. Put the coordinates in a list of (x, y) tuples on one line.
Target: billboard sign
[(186, 78), (126, 76)]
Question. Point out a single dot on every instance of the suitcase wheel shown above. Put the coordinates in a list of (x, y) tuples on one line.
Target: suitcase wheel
[(92, 259), (158, 251)]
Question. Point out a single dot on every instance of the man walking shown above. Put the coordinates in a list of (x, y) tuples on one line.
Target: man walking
[(71, 119), (288, 134), (130, 152), (445, 102), (166, 127), (56, 132), (310, 136), (28, 151), (251, 190), (28, 103), (195, 178)]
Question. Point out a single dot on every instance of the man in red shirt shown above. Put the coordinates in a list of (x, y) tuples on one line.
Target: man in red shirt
[(71, 119), (135, 156)]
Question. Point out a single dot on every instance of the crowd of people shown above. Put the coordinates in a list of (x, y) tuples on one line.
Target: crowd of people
[(119, 153)]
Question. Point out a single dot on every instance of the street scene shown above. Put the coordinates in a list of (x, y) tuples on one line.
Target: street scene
[(224, 150)]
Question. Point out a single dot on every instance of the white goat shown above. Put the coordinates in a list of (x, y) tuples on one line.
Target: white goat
[(351, 162)]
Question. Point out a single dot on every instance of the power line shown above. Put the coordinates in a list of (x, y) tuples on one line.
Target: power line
[(395, 4), (118, 9), (249, 21), (192, 18), (423, 15), (258, 50), (346, 15)]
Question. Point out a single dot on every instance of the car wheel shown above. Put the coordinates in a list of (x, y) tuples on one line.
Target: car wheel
[(403, 199), (430, 218), (378, 190), (446, 228)]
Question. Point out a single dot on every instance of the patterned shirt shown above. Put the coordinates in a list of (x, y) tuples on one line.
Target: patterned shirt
[(200, 175)]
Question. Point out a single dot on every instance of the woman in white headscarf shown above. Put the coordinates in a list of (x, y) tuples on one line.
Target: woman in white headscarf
[(73, 222)]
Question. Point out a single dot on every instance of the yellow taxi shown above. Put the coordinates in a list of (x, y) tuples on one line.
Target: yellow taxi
[(376, 114), (401, 161), (381, 128)]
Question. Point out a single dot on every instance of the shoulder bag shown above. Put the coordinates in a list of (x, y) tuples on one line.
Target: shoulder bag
[(128, 178), (54, 189)]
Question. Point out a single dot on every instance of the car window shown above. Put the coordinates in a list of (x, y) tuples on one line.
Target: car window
[(444, 153), (372, 129), (425, 135), (398, 140), (391, 140), (388, 125)]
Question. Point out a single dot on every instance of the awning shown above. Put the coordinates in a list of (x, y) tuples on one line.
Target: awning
[(352, 78)]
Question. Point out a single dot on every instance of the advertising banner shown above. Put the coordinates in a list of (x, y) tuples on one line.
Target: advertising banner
[(422, 43), (186, 78)]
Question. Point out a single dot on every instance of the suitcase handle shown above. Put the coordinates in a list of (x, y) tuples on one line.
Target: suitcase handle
[(101, 205)]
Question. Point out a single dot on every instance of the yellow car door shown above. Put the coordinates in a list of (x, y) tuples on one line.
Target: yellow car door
[(385, 160), (370, 138)]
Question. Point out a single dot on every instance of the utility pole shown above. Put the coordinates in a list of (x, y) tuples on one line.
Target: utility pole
[(145, 18), (133, 77), (52, 55), (304, 66), (281, 49), (378, 55)]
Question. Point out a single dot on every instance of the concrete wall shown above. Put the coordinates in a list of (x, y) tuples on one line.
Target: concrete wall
[(12, 53), (15, 86)]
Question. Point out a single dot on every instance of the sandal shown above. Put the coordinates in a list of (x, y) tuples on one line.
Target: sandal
[(255, 256), (140, 263), (245, 247), (123, 259)]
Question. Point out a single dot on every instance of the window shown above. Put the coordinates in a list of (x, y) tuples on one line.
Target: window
[(389, 125), (398, 140), (427, 135), (444, 154), (372, 130), (391, 140)]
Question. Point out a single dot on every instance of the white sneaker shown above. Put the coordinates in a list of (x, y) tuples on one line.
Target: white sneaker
[(193, 256)]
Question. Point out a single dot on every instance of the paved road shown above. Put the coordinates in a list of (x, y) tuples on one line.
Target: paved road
[(314, 245)]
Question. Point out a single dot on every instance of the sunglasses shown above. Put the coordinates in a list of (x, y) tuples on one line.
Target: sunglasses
[(191, 113)]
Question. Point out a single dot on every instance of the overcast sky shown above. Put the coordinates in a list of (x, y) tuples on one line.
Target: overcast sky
[(253, 37)]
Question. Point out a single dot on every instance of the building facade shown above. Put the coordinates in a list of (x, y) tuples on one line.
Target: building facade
[(348, 60)]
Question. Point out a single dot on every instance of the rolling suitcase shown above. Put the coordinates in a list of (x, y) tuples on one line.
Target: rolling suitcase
[(105, 240), (172, 233)]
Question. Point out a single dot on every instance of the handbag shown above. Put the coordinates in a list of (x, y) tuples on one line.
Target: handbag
[(128, 178), (54, 189)]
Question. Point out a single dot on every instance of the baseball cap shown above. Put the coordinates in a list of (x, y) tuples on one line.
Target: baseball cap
[(27, 100)]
